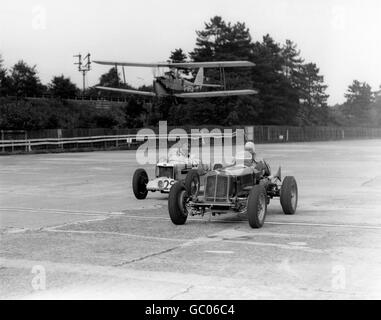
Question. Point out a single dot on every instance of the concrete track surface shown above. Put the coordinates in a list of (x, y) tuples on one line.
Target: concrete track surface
[(71, 228)]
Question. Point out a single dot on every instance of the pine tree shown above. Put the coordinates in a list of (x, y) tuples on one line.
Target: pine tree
[(24, 80), (62, 87), (292, 63), (110, 78), (279, 99), (3, 79), (223, 41), (313, 99), (359, 99), (178, 56)]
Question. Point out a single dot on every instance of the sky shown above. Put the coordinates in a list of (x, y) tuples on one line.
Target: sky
[(343, 37)]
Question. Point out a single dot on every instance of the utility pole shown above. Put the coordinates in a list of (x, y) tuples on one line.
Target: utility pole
[(84, 66)]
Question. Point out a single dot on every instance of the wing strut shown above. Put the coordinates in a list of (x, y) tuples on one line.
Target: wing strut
[(223, 78), (117, 76), (124, 76)]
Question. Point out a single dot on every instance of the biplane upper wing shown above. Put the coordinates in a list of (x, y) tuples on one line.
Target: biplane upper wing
[(211, 94), (142, 93), (131, 64), (184, 65), (213, 64)]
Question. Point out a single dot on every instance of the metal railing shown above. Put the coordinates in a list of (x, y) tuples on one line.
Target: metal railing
[(76, 139)]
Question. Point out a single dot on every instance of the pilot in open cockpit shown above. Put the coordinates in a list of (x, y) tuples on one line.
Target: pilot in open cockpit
[(171, 74)]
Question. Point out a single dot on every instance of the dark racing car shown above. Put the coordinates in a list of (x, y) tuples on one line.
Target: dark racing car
[(246, 186)]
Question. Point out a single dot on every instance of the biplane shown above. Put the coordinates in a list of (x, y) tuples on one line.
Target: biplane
[(176, 82)]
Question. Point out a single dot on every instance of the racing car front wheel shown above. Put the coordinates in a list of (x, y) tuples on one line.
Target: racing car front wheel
[(192, 183), (289, 195), (176, 203), (139, 184), (257, 206)]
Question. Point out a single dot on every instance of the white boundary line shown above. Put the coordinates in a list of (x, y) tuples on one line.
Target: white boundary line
[(311, 224)]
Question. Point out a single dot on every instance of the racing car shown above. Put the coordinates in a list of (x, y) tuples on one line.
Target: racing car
[(244, 187), (176, 167)]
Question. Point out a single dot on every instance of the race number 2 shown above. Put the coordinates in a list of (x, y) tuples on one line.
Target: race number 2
[(168, 183)]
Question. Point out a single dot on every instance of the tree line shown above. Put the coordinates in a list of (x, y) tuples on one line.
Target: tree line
[(291, 91)]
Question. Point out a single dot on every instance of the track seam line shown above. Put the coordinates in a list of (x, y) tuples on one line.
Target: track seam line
[(121, 264), (126, 215), (189, 242), (185, 291), (114, 234)]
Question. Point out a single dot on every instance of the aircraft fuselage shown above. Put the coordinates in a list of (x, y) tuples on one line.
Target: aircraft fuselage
[(177, 85)]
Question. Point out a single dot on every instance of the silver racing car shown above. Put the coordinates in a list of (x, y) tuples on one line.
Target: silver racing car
[(175, 168), (244, 187)]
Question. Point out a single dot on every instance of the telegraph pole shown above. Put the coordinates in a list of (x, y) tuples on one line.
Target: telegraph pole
[(84, 66)]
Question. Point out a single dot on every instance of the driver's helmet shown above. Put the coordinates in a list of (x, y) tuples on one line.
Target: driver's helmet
[(248, 155), (250, 147)]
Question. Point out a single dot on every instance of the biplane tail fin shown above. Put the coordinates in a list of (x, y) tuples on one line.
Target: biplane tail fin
[(199, 81)]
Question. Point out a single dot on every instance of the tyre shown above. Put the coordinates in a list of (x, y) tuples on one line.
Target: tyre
[(265, 183), (289, 195), (257, 206), (176, 203), (192, 183), (139, 184)]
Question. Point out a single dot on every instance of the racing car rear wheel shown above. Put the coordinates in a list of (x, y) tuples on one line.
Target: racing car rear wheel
[(176, 203), (139, 184), (257, 206), (289, 195), (192, 183)]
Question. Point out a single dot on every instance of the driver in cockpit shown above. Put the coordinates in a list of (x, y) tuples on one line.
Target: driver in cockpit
[(250, 158)]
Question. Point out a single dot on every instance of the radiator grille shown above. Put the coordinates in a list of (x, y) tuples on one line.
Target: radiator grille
[(210, 188), (166, 172), (222, 188), (216, 188)]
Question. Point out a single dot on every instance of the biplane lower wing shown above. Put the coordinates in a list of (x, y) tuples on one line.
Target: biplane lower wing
[(128, 91), (210, 85), (211, 94)]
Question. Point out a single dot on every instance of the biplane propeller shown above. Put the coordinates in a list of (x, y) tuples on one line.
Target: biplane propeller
[(174, 83)]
